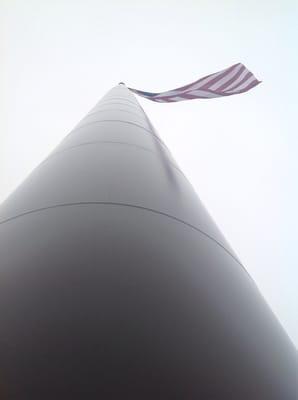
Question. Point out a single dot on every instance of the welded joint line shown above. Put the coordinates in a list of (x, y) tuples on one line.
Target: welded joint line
[(113, 120), (120, 98), (117, 120), (107, 103), (108, 142), (130, 206), (116, 109)]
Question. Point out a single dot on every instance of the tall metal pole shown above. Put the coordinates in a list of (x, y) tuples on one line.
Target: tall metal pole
[(116, 284)]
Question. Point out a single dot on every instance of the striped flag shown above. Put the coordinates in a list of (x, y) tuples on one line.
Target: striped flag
[(233, 80)]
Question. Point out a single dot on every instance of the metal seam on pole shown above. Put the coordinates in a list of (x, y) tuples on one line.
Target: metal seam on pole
[(118, 120), (127, 111), (121, 98), (123, 205), (108, 142), (103, 103)]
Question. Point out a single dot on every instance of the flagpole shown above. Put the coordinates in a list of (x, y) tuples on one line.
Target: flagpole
[(116, 283)]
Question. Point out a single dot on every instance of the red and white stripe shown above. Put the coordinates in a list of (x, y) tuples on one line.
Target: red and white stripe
[(233, 80)]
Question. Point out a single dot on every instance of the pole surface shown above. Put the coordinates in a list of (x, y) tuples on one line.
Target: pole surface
[(116, 284)]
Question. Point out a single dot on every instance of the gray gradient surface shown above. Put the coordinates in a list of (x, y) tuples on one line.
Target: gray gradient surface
[(116, 283)]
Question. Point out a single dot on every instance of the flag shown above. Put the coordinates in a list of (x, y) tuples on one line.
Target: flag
[(233, 80)]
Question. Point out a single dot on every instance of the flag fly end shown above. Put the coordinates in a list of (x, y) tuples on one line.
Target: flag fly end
[(232, 80)]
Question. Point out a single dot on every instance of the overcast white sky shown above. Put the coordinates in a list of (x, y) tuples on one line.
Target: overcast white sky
[(58, 58)]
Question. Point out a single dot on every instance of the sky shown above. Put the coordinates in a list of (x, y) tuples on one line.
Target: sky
[(58, 58)]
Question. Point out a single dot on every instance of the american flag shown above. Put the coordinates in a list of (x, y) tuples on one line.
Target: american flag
[(233, 80)]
